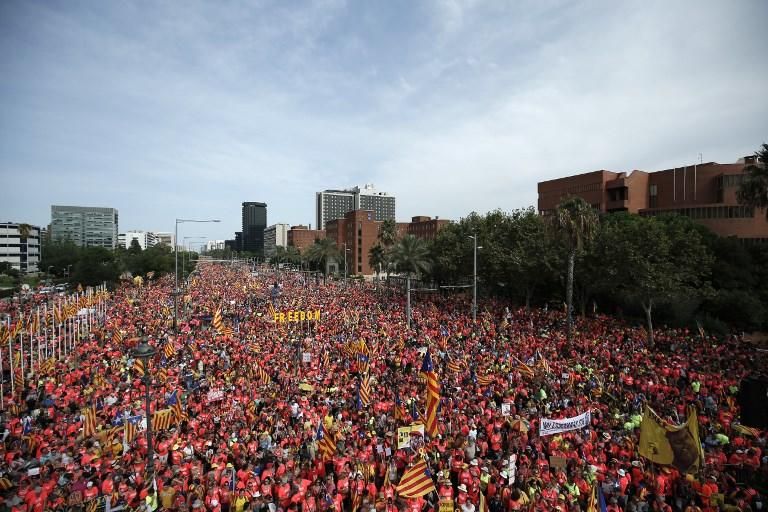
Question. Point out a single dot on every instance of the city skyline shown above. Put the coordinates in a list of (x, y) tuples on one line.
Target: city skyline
[(450, 106)]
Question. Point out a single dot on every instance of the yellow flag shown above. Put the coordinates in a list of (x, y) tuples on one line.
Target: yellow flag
[(676, 445)]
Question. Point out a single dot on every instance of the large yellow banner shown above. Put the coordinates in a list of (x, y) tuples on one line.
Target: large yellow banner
[(675, 445)]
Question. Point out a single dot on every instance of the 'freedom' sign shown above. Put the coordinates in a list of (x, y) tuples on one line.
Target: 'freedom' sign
[(548, 426), (296, 316)]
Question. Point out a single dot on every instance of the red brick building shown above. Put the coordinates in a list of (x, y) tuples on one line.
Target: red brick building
[(358, 231), (705, 192), (425, 227), (302, 237)]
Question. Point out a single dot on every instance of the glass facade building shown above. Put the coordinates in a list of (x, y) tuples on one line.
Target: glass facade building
[(84, 226)]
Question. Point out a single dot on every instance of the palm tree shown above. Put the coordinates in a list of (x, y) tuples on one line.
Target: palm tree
[(411, 256), (388, 237), (753, 191), (575, 223), (321, 252), (24, 230), (377, 258)]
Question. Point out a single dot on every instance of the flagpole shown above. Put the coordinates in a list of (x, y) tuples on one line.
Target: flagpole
[(45, 332), (21, 349), (2, 386), (31, 345), (10, 362)]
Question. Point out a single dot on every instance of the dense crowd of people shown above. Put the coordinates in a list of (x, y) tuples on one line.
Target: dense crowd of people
[(260, 397)]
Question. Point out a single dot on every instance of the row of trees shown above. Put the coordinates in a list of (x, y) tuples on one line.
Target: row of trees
[(94, 265), (667, 265)]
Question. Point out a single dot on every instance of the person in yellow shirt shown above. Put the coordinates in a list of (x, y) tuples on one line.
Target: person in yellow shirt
[(167, 495), (240, 501)]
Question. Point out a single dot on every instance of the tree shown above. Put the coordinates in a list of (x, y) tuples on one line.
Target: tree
[(377, 258), (95, 265), (321, 252), (24, 230), (61, 256), (653, 260), (574, 222), (411, 257), (135, 247), (753, 191), (387, 238)]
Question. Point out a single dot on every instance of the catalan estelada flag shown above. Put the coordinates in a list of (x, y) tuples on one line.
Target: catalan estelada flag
[(89, 421), (263, 375), (400, 412), (162, 420), (433, 395), (138, 367), (326, 442), (455, 365), (524, 369), (169, 350), (745, 430), (365, 391), (485, 380), (364, 365), (416, 481), (217, 322), (131, 429)]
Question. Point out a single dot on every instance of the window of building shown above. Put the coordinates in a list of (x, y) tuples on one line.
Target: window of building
[(653, 197)]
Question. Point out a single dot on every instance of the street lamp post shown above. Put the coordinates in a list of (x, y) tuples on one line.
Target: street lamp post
[(176, 271), (474, 281), (145, 352)]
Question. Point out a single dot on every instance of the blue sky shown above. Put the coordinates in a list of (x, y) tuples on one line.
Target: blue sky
[(186, 109)]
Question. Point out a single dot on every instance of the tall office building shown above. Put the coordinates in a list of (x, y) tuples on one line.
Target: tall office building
[(275, 236), (85, 226), (254, 223), (335, 204), (20, 246)]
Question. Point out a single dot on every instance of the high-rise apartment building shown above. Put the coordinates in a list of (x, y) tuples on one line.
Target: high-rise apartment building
[(335, 204), (254, 223), (145, 239), (84, 226), (706, 192), (20, 246), (275, 236)]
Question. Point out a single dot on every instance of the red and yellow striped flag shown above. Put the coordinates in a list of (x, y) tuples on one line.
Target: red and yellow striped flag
[(745, 430), (433, 395), (131, 429), (18, 380), (485, 380), (138, 367), (263, 375), (326, 442), (416, 481), (162, 420), (89, 421), (365, 391), (217, 322)]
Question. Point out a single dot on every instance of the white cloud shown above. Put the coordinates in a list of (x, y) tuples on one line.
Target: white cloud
[(451, 106)]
